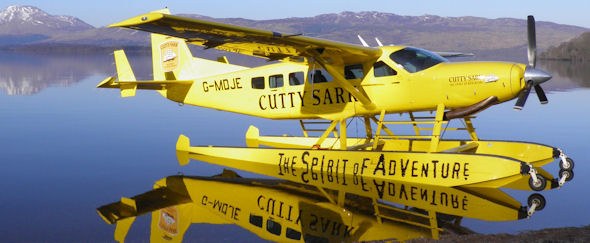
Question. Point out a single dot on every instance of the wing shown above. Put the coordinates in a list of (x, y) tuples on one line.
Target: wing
[(261, 43), (248, 41)]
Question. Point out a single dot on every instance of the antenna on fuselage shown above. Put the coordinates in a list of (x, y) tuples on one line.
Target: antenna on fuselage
[(378, 41), (362, 41)]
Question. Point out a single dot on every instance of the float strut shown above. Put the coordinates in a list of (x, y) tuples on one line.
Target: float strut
[(532, 209), (562, 179), (533, 173)]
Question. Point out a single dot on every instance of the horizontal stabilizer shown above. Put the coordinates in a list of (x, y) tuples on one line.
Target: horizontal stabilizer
[(123, 68), (182, 147)]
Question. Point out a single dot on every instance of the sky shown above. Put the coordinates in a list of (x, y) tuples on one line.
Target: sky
[(105, 12)]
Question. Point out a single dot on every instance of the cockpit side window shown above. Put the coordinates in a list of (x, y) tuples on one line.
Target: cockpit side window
[(319, 76), (354, 71), (296, 78), (380, 69), (415, 60)]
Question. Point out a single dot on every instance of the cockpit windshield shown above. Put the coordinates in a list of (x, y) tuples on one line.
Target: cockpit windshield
[(415, 60)]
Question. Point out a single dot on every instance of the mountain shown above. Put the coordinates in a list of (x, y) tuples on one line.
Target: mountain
[(467, 34), (28, 24), (575, 50)]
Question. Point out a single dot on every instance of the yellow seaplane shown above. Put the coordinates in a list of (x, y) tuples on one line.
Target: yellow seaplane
[(326, 84), (283, 211)]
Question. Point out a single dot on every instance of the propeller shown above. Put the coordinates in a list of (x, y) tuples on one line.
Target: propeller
[(532, 76)]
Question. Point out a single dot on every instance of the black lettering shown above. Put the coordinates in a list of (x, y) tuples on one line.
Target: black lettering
[(413, 193), (392, 167), (424, 195), (313, 222), (391, 187), (442, 172), (364, 165), (272, 103), (314, 162), (454, 201), (293, 163), (456, 168), (434, 162), (235, 216), (270, 209), (402, 192), (225, 84), (380, 165), (424, 172), (465, 175), (336, 228), (464, 203), (260, 205), (339, 93), (344, 172), (282, 95), (301, 95), (379, 188), (280, 209), (444, 199), (306, 167), (204, 200), (327, 96), (330, 170), (315, 96), (324, 224), (404, 167), (291, 98), (414, 169), (260, 102), (280, 160), (218, 85), (205, 88)]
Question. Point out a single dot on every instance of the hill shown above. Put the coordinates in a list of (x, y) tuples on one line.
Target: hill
[(575, 50), (31, 26)]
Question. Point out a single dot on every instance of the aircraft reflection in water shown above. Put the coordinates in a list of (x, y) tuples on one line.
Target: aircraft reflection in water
[(283, 211)]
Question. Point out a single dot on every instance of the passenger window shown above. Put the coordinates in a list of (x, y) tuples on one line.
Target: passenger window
[(275, 81), (296, 78), (273, 227), (293, 234), (319, 76), (380, 69), (354, 71), (258, 83), (256, 220)]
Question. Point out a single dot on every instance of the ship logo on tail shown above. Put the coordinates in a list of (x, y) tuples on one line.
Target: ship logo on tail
[(169, 55), (169, 220)]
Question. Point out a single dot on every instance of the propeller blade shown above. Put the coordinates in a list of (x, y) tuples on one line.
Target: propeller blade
[(524, 94), (532, 41), (541, 94)]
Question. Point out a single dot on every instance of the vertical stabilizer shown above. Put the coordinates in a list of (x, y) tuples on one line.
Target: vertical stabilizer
[(171, 58)]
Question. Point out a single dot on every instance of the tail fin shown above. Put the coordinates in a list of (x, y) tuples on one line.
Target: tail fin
[(172, 59)]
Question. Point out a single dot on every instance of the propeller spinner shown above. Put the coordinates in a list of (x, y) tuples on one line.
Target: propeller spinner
[(532, 76)]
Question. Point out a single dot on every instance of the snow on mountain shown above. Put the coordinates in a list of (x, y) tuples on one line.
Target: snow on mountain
[(27, 20)]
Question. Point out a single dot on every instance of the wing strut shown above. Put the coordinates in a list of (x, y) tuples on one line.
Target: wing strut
[(339, 77)]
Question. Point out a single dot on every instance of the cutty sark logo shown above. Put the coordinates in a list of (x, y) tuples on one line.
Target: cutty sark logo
[(169, 220), (169, 55)]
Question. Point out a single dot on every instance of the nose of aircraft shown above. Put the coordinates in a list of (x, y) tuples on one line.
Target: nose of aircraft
[(535, 75)]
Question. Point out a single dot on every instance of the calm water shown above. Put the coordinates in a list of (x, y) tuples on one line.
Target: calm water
[(68, 148)]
